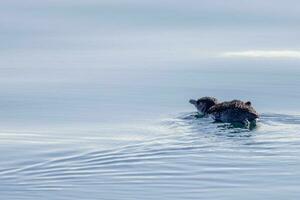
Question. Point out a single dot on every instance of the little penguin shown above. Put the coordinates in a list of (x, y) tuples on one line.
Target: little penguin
[(234, 111)]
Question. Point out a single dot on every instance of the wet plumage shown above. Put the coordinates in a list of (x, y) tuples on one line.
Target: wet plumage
[(228, 111)]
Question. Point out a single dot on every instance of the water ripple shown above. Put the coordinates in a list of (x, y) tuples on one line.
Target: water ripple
[(190, 153)]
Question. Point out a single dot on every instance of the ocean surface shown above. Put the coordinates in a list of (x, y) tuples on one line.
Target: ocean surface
[(94, 101)]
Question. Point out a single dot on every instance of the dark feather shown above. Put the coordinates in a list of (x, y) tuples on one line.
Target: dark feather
[(235, 105)]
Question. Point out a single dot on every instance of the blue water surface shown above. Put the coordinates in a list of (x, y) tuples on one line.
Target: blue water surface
[(94, 100)]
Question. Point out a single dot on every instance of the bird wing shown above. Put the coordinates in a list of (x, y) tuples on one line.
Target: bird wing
[(235, 105)]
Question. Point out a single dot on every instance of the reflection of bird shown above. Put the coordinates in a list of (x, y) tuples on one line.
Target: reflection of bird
[(228, 111)]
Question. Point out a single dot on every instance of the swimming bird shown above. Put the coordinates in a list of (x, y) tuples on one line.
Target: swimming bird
[(234, 111)]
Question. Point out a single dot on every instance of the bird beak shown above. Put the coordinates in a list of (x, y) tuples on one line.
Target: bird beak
[(192, 101)]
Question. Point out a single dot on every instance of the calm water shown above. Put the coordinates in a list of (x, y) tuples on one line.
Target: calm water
[(94, 101)]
